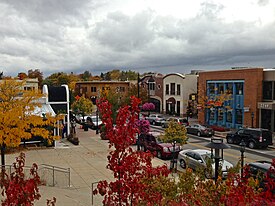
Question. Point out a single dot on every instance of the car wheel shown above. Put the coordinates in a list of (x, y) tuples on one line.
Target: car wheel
[(251, 145), (159, 155), (162, 125), (229, 140), (183, 164), (154, 123), (199, 133)]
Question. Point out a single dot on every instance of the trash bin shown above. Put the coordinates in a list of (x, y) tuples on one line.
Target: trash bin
[(85, 126)]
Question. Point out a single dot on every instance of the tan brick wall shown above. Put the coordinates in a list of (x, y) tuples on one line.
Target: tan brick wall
[(253, 78)]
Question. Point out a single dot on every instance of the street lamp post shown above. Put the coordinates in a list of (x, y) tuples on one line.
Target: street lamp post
[(242, 150), (218, 145), (173, 162)]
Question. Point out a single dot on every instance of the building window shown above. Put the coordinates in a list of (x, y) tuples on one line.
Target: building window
[(220, 87), (151, 86), (267, 90), (220, 115), (167, 89), (211, 88), (229, 88), (173, 85), (122, 89), (212, 114), (93, 89), (239, 116), (239, 88), (159, 86), (229, 116), (178, 89)]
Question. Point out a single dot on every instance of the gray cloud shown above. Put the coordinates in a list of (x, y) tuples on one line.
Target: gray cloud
[(70, 36)]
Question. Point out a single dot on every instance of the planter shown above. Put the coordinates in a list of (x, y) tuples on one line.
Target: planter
[(85, 127), (73, 139)]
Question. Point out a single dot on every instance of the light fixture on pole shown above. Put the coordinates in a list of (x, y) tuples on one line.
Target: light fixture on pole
[(218, 145), (242, 150)]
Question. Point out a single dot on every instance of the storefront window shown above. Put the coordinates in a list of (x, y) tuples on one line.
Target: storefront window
[(267, 90), (239, 116), (220, 115), (229, 88), (229, 116), (212, 114), (211, 88), (220, 87), (239, 88)]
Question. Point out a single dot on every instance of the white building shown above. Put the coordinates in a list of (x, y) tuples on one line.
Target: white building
[(177, 89)]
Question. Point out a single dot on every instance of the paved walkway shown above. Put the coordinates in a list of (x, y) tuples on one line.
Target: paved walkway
[(87, 162)]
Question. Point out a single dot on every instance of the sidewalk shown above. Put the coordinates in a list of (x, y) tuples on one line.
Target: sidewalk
[(87, 162)]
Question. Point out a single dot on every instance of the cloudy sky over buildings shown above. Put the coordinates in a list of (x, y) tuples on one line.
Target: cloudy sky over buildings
[(141, 35)]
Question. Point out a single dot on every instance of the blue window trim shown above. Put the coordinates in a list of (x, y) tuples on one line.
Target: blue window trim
[(225, 81)]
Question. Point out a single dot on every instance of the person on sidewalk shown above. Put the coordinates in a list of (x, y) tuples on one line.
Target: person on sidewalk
[(64, 131)]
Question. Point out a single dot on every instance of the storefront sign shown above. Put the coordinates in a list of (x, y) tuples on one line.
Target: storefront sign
[(265, 105)]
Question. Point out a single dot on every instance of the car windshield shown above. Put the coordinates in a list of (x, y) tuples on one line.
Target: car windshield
[(207, 157)]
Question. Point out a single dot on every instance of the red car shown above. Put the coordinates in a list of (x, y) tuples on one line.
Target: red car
[(152, 142)]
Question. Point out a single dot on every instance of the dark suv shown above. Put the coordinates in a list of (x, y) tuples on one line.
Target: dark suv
[(253, 137), (153, 143)]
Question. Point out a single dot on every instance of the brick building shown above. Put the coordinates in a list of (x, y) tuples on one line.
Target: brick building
[(154, 85), (244, 85), (93, 88)]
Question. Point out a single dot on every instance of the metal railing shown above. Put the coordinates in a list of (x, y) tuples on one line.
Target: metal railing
[(50, 175)]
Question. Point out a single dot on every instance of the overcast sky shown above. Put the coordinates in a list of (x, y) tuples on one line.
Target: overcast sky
[(141, 35)]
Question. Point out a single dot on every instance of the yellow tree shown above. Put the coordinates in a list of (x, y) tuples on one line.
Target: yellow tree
[(18, 118), (175, 132)]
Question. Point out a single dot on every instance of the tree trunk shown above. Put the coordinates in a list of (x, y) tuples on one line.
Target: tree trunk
[(3, 147)]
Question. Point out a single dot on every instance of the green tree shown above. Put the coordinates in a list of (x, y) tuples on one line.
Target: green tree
[(175, 132), (82, 106)]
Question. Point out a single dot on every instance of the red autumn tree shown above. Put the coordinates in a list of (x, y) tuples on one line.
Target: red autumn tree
[(128, 166), (16, 188)]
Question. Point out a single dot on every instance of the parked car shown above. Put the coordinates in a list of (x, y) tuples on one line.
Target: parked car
[(259, 170), (200, 130), (155, 119), (153, 143), (253, 137), (93, 122), (181, 121), (199, 158)]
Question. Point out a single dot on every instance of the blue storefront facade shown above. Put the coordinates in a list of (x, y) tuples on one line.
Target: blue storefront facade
[(231, 111), (230, 97)]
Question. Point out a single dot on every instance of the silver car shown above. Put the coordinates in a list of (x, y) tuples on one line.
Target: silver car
[(199, 158), (155, 119)]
